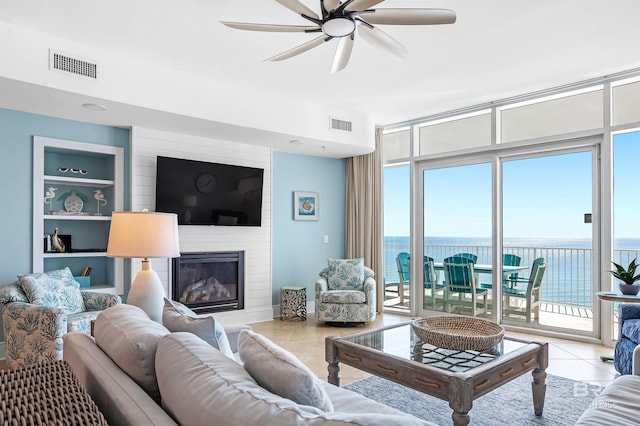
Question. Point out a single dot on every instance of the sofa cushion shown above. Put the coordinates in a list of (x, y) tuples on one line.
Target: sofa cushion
[(130, 338), (345, 274), (368, 273), (55, 289), (631, 330), (178, 317), (81, 321), (281, 372), (200, 385), (344, 296)]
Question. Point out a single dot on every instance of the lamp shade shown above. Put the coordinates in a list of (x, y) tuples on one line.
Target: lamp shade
[(143, 234)]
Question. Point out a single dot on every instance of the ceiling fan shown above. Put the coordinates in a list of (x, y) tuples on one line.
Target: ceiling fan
[(340, 20)]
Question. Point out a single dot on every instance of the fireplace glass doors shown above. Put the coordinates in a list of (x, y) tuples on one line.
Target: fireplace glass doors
[(209, 282)]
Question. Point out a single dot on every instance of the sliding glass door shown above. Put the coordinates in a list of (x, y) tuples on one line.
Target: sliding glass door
[(547, 216), (456, 221), (541, 207)]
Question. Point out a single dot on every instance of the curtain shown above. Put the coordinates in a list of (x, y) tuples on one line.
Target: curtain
[(364, 213)]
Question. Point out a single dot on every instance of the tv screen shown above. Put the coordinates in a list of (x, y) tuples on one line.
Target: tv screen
[(203, 193)]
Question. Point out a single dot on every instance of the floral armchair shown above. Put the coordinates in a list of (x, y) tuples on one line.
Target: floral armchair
[(346, 292), (39, 309), (627, 352)]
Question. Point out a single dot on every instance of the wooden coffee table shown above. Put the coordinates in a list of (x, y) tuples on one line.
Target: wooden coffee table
[(397, 354)]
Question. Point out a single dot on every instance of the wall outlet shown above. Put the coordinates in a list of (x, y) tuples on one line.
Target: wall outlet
[(326, 239)]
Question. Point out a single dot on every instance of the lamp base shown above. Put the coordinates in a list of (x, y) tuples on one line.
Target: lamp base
[(147, 292)]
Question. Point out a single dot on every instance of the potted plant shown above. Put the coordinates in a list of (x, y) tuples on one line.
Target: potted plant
[(629, 278)]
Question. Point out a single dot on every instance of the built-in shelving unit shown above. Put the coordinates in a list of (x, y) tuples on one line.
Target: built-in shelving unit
[(73, 172)]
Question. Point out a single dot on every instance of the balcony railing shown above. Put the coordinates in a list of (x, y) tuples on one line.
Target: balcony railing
[(567, 280)]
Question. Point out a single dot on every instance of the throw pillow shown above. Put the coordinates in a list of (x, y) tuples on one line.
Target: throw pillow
[(280, 372), (54, 289), (12, 293), (178, 317), (130, 338), (345, 274)]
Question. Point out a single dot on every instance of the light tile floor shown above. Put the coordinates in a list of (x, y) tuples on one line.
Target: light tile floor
[(570, 359)]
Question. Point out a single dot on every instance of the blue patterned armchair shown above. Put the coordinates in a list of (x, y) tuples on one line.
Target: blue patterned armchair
[(40, 308), (627, 353), (346, 292)]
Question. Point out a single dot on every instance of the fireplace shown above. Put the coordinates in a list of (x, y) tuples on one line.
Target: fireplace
[(209, 282)]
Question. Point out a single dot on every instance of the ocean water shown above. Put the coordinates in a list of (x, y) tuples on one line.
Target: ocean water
[(568, 276)]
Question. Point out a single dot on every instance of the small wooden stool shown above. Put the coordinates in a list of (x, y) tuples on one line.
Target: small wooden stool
[(293, 303)]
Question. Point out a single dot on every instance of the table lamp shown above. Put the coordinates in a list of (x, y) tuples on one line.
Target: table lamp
[(144, 235)]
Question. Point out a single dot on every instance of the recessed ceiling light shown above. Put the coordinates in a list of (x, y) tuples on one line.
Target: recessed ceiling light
[(295, 142), (94, 107)]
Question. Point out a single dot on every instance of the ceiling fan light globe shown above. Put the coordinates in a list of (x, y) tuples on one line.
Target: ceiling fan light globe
[(339, 27)]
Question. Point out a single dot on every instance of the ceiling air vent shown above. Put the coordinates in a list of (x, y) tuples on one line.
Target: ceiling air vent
[(65, 63), (340, 125)]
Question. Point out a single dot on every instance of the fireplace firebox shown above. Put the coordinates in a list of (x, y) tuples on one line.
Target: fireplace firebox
[(209, 282)]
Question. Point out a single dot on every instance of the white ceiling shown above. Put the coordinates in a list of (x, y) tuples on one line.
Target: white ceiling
[(496, 49)]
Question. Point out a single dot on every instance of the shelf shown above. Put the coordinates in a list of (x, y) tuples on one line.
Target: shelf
[(76, 254), (105, 171), (63, 180), (78, 217)]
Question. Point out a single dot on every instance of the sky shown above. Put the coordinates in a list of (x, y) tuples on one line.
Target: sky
[(543, 197)]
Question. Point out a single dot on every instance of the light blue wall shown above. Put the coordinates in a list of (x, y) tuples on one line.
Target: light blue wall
[(16, 177), (299, 251)]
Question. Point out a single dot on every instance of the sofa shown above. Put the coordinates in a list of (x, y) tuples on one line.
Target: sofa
[(617, 404), (628, 338), (140, 373)]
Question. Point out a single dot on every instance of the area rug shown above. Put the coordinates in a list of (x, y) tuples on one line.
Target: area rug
[(510, 404)]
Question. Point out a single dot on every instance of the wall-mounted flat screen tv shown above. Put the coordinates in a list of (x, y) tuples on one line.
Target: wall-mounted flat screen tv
[(203, 193)]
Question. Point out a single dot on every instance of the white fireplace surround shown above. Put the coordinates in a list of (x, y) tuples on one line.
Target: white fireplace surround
[(146, 145)]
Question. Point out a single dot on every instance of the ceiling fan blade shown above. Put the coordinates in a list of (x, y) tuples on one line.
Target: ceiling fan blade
[(300, 49), (329, 5), (379, 38), (363, 4), (298, 8), (271, 27), (409, 16), (343, 53)]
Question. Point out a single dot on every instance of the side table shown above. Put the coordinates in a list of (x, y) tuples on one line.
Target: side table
[(293, 303)]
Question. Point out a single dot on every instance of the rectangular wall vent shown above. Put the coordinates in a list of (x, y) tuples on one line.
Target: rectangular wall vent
[(340, 125), (65, 63)]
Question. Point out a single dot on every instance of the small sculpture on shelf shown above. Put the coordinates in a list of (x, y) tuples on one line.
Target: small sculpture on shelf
[(99, 196), (49, 196), (57, 242), (73, 201)]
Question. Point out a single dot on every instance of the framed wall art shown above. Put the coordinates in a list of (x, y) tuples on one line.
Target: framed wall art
[(305, 206)]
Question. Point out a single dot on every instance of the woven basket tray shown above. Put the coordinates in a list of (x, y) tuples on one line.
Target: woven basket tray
[(460, 333)]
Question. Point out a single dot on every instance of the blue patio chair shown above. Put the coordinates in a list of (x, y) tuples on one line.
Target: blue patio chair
[(461, 285), (530, 294), (402, 261), (469, 256), (510, 280), (509, 259), (432, 288)]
